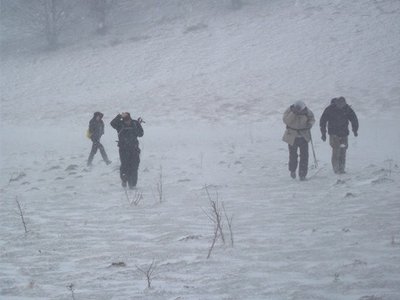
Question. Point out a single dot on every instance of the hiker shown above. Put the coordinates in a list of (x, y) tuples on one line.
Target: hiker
[(299, 120), (129, 153), (337, 115), (95, 131)]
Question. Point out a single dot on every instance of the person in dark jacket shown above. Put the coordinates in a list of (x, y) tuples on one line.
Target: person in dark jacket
[(338, 115), (96, 130), (298, 120), (129, 152)]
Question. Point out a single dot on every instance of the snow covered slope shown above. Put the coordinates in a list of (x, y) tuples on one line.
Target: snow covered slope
[(245, 64), (212, 85)]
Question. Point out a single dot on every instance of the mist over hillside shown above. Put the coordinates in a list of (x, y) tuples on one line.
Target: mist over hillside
[(211, 79), (202, 59)]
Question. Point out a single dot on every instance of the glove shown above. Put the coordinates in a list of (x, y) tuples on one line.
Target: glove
[(355, 134), (323, 137)]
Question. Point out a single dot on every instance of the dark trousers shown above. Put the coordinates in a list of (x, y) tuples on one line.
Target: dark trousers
[(299, 143), (130, 159), (97, 146), (339, 146)]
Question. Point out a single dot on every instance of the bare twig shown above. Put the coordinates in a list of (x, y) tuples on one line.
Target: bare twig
[(136, 198), (127, 196), (213, 242), (21, 214), (71, 288), (216, 212), (208, 215), (160, 187), (216, 218), (148, 272), (229, 221)]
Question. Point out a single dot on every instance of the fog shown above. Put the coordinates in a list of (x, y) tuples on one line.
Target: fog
[(211, 79)]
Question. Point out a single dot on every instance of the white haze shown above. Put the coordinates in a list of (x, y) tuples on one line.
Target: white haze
[(211, 84)]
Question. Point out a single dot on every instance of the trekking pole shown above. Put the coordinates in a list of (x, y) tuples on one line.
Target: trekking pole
[(313, 151)]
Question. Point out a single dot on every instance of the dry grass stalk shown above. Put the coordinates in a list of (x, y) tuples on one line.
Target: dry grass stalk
[(21, 214)]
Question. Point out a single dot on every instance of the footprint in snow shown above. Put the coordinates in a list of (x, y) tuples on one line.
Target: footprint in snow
[(33, 189), (71, 168), (184, 180), (373, 297), (190, 237), (117, 264), (340, 181), (53, 168), (17, 177), (349, 195), (382, 180)]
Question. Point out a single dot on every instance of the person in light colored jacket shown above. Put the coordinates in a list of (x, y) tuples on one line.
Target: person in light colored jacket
[(298, 119)]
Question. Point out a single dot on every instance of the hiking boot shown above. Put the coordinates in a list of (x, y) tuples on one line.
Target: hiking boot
[(108, 162), (293, 175), (303, 178), (124, 184)]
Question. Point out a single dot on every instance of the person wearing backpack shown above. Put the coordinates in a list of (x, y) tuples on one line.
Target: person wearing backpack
[(298, 119), (129, 152), (95, 131), (338, 115)]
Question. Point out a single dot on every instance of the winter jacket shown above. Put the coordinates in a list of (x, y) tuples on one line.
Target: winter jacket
[(338, 120), (127, 134), (297, 124), (96, 128)]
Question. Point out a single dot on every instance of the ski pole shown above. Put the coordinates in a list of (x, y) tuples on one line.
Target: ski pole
[(313, 151)]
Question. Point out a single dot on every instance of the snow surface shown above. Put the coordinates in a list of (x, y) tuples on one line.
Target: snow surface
[(212, 99)]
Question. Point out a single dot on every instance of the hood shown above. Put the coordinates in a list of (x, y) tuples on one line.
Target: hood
[(96, 114), (339, 102)]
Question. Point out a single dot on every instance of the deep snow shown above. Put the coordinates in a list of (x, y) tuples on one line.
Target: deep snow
[(213, 100)]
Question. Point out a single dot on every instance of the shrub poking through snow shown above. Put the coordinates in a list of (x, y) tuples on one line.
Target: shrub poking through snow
[(215, 215), (21, 215), (148, 272)]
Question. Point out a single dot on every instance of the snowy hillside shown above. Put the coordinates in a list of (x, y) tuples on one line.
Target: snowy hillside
[(245, 64), (212, 84)]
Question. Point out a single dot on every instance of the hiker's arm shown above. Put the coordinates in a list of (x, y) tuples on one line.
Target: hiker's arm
[(139, 129), (116, 123)]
